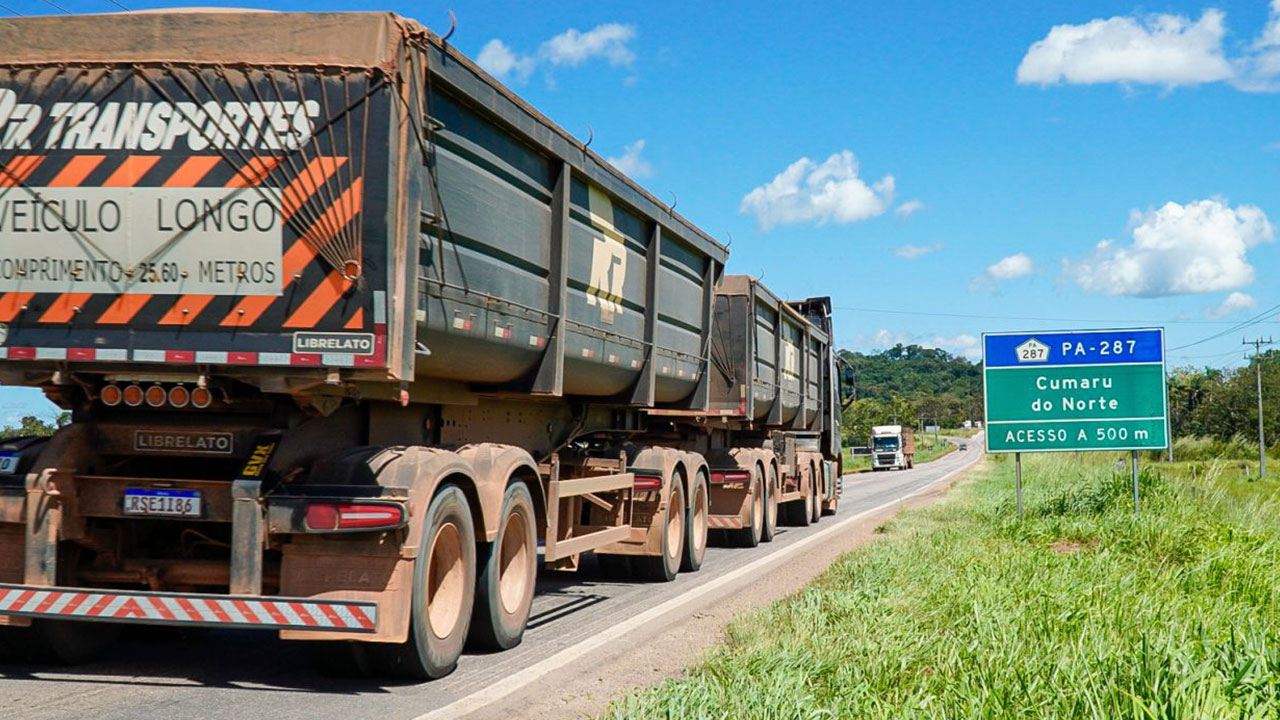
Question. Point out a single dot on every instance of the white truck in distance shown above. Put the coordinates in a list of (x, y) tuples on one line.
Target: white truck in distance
[(892, 447)]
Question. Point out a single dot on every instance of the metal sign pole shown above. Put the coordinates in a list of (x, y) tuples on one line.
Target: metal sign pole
[(1017, 462), (1135, 481)]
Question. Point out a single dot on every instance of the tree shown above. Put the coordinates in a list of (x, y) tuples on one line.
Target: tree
[(30, 425)]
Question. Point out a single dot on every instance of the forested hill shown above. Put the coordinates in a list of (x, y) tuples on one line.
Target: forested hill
[(910, 384)]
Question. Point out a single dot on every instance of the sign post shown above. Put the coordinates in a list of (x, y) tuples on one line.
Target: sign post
[(1075, 390)]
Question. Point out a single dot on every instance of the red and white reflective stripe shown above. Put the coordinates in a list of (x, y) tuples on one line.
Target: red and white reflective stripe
[(182, 609), (724, 522)]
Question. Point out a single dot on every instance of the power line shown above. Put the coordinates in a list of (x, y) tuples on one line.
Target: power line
[(9, 9), (1256, 319), (1035, 319), (56, 6)]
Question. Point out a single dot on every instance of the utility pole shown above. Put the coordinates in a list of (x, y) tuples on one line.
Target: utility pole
[(1257, 363)]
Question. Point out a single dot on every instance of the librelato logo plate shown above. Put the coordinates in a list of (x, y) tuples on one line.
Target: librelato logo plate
[(201, 443)]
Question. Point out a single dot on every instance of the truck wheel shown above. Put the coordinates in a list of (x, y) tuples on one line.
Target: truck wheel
[(815, 499), (663, 568), (695, 546), (770, 529), (444, 583), (800, 512), (508, 574), (749, 536)]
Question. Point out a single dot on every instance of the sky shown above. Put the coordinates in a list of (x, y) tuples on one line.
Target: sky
[(939, 169)]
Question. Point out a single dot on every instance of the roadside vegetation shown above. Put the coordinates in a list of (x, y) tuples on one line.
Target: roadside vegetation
[(1082, 609)]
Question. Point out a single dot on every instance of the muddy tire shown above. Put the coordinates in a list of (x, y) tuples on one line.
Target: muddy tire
[(696, 525), (750, 536), (664, 567), (771, 509), (444, 585), (815, 497), (508, 574)]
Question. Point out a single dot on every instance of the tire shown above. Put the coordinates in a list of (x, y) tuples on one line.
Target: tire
[(57, 642), (444, 585), (770, 529), (815, 504), (800, 512), (663, 568), (750, 536), (696, 525), (507, 576), (613, 567)]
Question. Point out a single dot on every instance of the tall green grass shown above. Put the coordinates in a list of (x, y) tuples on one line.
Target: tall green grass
[(1082, 609)]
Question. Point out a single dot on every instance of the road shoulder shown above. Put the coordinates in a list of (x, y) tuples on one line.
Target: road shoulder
[(586, 686)]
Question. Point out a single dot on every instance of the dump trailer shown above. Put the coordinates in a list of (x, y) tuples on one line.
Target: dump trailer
[(353, 338)]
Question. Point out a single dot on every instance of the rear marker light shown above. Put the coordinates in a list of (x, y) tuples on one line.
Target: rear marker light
[(156, 396), (324, 517), (111, 395), (731, 476), (647, 482), (201, 397), (132, 395), (179, 396)]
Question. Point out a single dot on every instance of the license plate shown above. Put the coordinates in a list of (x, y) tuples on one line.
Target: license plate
[(163, 503), (8, 464)]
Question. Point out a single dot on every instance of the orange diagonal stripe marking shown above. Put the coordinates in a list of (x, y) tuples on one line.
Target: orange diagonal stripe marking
[(193, 304), (356, 322), (64, 308), (319, 302), (254, 172), (305, 185), (192, 171), (19, 169), (76, 170), (248, 310), (123, 309), (131, 170), (11, 304)]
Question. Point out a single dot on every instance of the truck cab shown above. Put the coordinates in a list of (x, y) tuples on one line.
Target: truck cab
[(892, 448)]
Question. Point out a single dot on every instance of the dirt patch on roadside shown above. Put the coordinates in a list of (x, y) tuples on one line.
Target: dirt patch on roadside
[(585, 688)]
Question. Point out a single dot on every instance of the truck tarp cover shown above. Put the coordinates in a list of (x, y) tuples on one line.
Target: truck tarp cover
[(201, 186)]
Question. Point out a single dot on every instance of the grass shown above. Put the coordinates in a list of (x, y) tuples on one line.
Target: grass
[(1082, 609)]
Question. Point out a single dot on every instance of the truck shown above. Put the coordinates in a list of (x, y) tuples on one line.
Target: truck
[(892, 447), (353, 340)]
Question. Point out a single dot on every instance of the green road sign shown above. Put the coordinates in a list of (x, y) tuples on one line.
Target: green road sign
[(1075, 390)]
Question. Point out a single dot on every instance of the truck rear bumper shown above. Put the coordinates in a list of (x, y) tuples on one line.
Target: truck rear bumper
[(188, 609)]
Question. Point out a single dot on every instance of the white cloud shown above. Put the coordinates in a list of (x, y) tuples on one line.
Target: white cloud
[(1014, 266), (1232, 304), (570, 48), (1006, 268), (1160, 49), (1259, 69), (909, 208), (1198, 247), (963, 344), (811, 192), (632, 162), (911, 252), (608, 41), (501, 62)]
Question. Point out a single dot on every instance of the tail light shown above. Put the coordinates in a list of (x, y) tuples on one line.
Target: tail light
[(156, 396), (330, 517), (111, 395), (201, 397), (179, 396), (647, 482), (731, 476), (132, 395)]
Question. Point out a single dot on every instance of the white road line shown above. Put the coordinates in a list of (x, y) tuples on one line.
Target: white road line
[(507, 686)]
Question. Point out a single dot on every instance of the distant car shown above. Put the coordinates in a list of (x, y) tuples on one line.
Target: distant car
[(964, 446)]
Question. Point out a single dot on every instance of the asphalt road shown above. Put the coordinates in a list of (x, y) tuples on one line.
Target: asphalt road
[(163, 673)]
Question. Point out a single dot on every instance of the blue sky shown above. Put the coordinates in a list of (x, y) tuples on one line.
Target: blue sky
[(1009, 178)]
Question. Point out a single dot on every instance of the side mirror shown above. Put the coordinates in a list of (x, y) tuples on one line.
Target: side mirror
[(848, 390)]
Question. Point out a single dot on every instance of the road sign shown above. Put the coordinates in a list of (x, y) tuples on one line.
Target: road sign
[(1075, 390)]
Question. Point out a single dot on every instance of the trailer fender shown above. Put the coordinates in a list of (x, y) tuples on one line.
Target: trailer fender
[(372, 569), (495, 466)]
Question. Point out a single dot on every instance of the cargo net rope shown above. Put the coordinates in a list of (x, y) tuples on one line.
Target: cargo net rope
[(295, 137)]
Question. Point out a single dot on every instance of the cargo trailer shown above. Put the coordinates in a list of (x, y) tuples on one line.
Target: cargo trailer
[(353, 338)]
